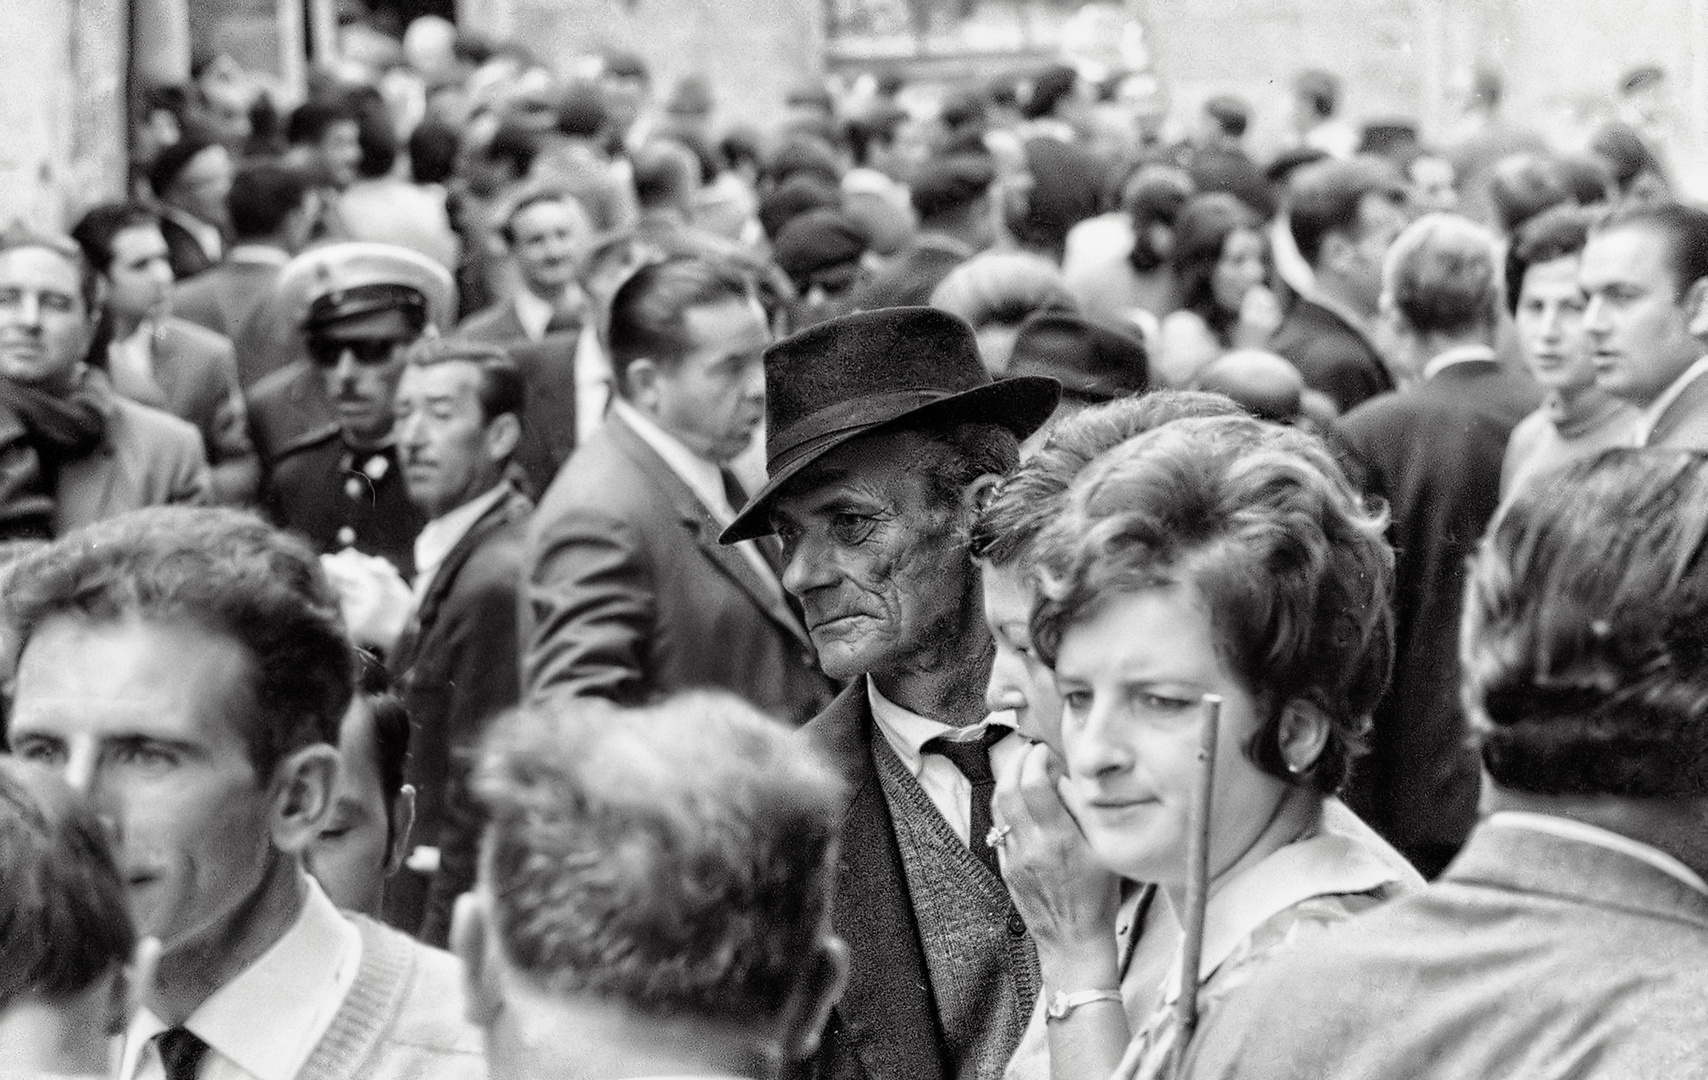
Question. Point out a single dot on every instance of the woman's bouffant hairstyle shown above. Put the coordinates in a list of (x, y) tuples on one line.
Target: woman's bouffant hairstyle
[(1261, 523), (678, 858), (1585, 648), (1026, 502), (1200, 234)]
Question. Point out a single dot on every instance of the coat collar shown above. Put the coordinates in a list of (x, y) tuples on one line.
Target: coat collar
[(513, 506), (699, 521)]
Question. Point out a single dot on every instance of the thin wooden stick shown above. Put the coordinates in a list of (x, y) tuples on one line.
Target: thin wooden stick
[(1197, 882)]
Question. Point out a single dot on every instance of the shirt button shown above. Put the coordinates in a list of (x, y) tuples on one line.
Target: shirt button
[(1016, 925)]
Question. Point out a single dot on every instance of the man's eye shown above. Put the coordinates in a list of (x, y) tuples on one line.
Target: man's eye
[(850, 528), (144, 755), (43, 753), (335, 833), (1077, 700)]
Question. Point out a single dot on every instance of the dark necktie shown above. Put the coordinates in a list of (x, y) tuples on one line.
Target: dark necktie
[(972, 757), (181, 1052)]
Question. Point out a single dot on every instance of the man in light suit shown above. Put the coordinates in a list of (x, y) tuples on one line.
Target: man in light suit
[(1571, 936), (882, 429), (628, 593), (1645, 271), (1433, 452)]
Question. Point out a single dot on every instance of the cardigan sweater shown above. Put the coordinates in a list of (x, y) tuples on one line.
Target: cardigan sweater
[(402, 1019)]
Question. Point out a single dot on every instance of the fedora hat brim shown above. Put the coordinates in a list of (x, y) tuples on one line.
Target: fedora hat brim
[(1022, 405)]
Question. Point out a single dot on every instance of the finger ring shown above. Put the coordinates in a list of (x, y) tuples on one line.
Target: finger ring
[(997, 836)]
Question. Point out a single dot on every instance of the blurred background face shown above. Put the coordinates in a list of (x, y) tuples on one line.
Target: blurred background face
[(546, 240), (44, 325), (1018, 681), (1242, 267), (340, 152), (1132, 675), (1550, 326), (441, 436), (351, 855), (1380, 222), (203, 185), (140, 277)]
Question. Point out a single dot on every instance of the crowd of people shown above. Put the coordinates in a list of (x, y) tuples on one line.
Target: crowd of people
[(504, 578)]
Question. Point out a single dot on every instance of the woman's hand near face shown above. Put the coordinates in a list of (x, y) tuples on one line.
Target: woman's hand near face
[(1259, 318), (1067, 898)]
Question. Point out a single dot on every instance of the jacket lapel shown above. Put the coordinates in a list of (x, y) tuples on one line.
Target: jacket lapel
[(699, 521), (512, 507), (886, 1016)]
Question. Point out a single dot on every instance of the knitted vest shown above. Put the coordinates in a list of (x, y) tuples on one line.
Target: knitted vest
[(980, 959), (402, 1019)]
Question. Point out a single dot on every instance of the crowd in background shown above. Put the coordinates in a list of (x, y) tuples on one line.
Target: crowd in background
[(980, 432)]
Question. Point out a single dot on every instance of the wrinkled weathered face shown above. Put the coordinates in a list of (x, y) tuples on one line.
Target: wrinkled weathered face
[(879, 565)]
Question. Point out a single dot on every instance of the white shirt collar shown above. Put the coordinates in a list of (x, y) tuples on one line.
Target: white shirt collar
[(534, 312), (268, 1020), (908, 732), (1342, 856), (445, 532), (1651, 416), (1585, 833), (701, 476), (1459, 354), (258, 254)]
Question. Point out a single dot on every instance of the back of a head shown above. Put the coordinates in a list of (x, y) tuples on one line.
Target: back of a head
[(945, 187), (1585, 617), (1230, 114), (647, 318), (1154, 197), (1003, 287), (64, 923), (1048, 90), (1522, 186), (311, 120), (666, 174), (1320, 90), (164, 171), (1324, 198), (674, 860), (262, 196), (1442, 277)]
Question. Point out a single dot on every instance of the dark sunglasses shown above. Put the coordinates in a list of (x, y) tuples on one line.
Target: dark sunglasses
[(367, 352)]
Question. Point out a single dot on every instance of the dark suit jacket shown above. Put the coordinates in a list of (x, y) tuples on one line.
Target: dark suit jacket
[(911, 278), (1684, 424), (1433, 451), (457, 665), (548, 369), (236, 299), (629, 595), (1335, 357), (885, 1026), (1534, 956)]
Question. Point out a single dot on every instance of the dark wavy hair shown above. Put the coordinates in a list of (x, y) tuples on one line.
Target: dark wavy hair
[(1260, 521), (1200, 235), (1585, 648)]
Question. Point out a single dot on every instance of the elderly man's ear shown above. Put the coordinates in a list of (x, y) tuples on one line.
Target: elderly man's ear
[(977, 495)]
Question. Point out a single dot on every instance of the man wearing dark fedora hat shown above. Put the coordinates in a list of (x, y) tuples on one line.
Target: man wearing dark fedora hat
[(883, 427)]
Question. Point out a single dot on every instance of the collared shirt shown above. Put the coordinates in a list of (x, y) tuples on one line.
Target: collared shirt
[(592, 367), (703, 478), (445, 532), (1459, 354), (130, 364), (950, 791), (1651, 416), (258, 255), (264, 1024), (1585, 833)]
